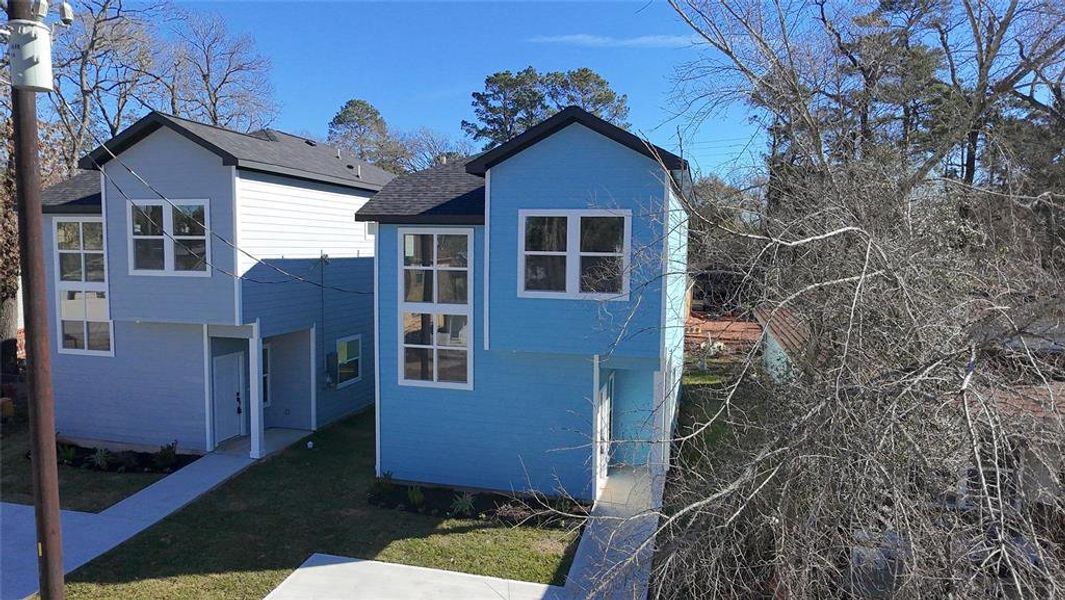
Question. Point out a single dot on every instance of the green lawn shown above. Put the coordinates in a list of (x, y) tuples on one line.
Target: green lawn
[(79, 489), (243, 539)]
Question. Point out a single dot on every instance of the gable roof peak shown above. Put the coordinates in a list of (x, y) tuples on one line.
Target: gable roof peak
[(563, 118)]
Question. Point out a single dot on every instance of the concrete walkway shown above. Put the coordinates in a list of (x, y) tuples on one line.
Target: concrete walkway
[(324, 577), (613, 560), (609, 563), (88, 535)]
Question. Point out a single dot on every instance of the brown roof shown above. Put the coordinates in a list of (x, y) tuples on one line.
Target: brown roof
[(785, 326)]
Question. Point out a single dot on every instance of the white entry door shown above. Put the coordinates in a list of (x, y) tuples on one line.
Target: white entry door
[(227, 391), (603, 433)]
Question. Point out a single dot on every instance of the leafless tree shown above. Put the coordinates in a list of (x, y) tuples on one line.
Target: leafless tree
[(427, 148), (913, 446), (212, 76)]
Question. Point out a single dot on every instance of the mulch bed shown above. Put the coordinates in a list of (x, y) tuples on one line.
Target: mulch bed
[(484, 506)]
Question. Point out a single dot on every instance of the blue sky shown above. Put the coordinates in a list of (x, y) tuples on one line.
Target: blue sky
[(419, 62)]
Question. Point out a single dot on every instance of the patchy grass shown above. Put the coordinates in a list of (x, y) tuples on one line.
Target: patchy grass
[(244, 538), (79, 489), (700, 378)]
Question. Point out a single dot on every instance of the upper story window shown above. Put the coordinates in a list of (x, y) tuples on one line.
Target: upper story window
[(574, 254), (83, 313), (435, 304), (167, 239)]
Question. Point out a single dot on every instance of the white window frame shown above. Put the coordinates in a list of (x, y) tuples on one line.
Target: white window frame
[(267, 369), (168, 269), (61, 287), (362, 360), (573, 254), (435, 308)]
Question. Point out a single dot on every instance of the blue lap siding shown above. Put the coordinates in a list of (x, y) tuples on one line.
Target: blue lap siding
[(527, 423)]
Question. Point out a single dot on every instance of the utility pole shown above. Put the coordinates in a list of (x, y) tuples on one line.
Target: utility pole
[(29, 48)]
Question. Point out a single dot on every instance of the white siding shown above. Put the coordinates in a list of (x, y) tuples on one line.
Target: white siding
[(287, 218)]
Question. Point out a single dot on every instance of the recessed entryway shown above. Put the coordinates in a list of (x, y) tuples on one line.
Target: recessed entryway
[(228, 396)]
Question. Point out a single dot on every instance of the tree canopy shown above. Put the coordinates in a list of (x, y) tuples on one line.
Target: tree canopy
[(512, 102)]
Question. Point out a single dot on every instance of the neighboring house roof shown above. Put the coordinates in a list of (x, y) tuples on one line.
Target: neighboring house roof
[(79, 194), (441, 194), (266, 150), (564, 118), (786, 328), (454, 192)]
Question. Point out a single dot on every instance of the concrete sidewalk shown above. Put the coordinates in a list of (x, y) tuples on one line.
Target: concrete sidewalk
[(88, 535), (324, 577), (610, 562)]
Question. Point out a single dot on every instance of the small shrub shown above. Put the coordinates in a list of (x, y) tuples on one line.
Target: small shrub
[(463, 504), (166, 457), (66, 454), (415, 495), (101, 459)]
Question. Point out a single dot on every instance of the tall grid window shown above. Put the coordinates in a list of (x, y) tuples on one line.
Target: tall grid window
[(435, 303), (83, 312)]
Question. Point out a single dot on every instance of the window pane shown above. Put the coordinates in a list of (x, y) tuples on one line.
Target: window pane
[(148, 254), (188, 220), (348, 371), (96, 306), (70, 266), (94, 266), (601, 274), (452, 287), (451, 251), (99, 336), (545, 273), (147, 220), (190, 255), (72, 306), (452, 365), (452, 330), (417, 250), (93, 236), (74, 335), (417, 329), (418, 285), (545, 234), (266, 390), (67, 236), (418, 364), (265, 366), (353, 349), (602, 234)]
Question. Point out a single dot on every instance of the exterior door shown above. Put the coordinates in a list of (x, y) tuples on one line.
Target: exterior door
[(227, 391), (603, 433)]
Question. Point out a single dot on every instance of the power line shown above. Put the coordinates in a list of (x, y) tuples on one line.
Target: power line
[(207, 230)]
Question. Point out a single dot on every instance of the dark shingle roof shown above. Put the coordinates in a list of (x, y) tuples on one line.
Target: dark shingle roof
[(442, 194), (79, 194), (454, 193), (267, 150), (564, 118)]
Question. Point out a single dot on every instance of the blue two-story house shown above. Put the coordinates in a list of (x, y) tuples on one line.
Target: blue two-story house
[(209, 287), (530, 311)]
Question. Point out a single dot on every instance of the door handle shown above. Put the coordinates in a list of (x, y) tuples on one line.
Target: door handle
[(239, 411)]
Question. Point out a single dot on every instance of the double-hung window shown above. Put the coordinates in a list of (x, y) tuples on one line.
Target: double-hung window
[(435, 307), (83, 312), (349, 360), (170, 239), (574, 254)]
